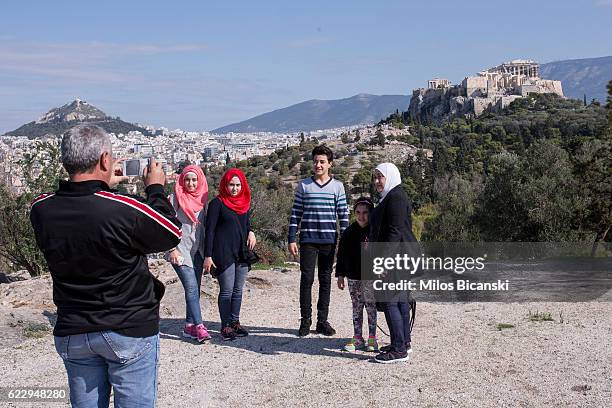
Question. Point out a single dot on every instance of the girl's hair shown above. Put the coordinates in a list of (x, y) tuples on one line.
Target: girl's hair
[(364, 201)]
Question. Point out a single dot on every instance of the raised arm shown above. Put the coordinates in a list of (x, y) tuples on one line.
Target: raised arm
[(156, 228)]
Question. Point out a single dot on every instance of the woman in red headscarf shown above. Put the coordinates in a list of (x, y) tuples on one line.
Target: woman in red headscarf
[(228, 231), (189, 200)]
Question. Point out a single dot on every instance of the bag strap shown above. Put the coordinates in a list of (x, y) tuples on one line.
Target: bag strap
[(413, 313)]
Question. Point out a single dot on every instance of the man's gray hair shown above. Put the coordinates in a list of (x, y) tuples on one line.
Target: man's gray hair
[(82, 147)]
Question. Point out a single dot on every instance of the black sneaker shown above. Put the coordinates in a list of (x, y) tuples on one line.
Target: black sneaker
[(239, 331), (325, 329), (391, 357), (304, 327), (228, 334), (387, 348)]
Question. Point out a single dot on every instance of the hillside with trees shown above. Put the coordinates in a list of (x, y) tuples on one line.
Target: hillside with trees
[(538, 171)]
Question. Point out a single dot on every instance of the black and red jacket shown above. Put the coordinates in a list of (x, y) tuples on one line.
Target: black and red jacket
[(95, 242)]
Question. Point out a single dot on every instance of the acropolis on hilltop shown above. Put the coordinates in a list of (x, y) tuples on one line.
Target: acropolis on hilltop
[(490, 90)]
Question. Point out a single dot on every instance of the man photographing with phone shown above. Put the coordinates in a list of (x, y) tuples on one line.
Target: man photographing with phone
[(95, 242)]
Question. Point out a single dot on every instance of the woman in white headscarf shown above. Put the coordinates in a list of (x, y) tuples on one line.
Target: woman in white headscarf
[(390, 222)]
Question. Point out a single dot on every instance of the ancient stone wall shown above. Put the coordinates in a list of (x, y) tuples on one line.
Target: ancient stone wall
[(491, 90)]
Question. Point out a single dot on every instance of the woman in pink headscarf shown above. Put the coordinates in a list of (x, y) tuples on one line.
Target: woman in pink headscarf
[(189, 200)]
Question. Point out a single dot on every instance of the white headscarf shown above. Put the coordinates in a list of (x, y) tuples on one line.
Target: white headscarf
[(392, 177)]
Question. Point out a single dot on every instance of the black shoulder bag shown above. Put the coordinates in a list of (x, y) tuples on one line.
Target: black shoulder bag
[(248, 255)]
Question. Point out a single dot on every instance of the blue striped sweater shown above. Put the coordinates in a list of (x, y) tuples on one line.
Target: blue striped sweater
[(316, 211)]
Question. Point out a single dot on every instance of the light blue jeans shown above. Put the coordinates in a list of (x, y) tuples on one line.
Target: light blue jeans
[(231, 282), (97, 361), (191, 278)]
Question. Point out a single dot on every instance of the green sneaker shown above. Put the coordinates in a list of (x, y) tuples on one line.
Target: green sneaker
[(372, 344), (354, 344)]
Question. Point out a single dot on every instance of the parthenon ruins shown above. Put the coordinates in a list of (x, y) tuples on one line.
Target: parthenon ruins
[(490, 90), (527, 68)]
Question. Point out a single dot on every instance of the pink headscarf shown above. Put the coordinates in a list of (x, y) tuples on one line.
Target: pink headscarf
[(192, 202)]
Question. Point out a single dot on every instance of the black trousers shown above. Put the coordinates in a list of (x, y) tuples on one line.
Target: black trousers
[(321, 255)]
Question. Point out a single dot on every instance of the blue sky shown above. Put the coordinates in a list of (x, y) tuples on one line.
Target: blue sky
[(198, 65)]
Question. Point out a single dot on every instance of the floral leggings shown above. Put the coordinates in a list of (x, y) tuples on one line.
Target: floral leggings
[(361, 295)]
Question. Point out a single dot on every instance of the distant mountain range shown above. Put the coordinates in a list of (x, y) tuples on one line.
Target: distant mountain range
[(588, 76), (579, 77), (318, 114), (59, 120)]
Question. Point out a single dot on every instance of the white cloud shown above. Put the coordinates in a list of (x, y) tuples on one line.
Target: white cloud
[(91, 62)]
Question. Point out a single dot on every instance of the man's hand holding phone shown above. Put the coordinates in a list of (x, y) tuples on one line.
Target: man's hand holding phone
[(154, 173), (118, 175)]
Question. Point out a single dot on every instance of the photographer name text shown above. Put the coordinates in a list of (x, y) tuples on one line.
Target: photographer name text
[(436, 285)]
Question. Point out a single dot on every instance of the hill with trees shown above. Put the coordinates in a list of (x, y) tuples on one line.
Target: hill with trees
[(537, 171), (59, 120)]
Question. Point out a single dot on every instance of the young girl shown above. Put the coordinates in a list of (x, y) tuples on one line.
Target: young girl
[(349, 266)]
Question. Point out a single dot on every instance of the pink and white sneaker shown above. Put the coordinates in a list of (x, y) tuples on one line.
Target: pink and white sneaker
[(201, 333), (189, 331)]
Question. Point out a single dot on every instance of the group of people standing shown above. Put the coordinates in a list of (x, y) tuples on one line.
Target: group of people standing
[(216, 237), (320, 204), (95, 241)]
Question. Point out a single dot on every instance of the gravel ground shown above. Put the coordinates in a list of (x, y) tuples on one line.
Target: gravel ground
[(460, 357)]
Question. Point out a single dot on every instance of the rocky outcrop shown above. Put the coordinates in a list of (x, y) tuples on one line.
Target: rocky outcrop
[(58, 120), (76, 110), (439, 104), (490, 91)]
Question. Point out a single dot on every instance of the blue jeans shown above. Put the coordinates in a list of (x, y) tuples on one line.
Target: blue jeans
[(191, 278), (97, 361), (231, 282), (397, 314)]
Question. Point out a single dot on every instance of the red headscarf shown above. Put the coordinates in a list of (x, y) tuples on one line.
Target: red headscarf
[(241, 202), (192, 202)]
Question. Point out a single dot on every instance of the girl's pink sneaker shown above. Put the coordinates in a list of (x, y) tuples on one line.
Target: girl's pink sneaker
[(189, 331), (201, 333)]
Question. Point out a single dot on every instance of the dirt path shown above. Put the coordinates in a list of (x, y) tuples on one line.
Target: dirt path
[(460, 358)]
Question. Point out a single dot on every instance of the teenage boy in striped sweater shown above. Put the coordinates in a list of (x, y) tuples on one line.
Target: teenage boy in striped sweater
[(320, 202)]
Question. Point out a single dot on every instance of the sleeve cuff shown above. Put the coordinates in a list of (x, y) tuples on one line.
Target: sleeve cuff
[(154, 188)]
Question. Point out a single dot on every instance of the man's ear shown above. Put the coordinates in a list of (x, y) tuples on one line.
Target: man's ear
[(106, 161)]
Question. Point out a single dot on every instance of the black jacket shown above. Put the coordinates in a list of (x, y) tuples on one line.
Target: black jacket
[(226, 235), (348, 263), (391, 221), (391, 224), (95, 243)]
